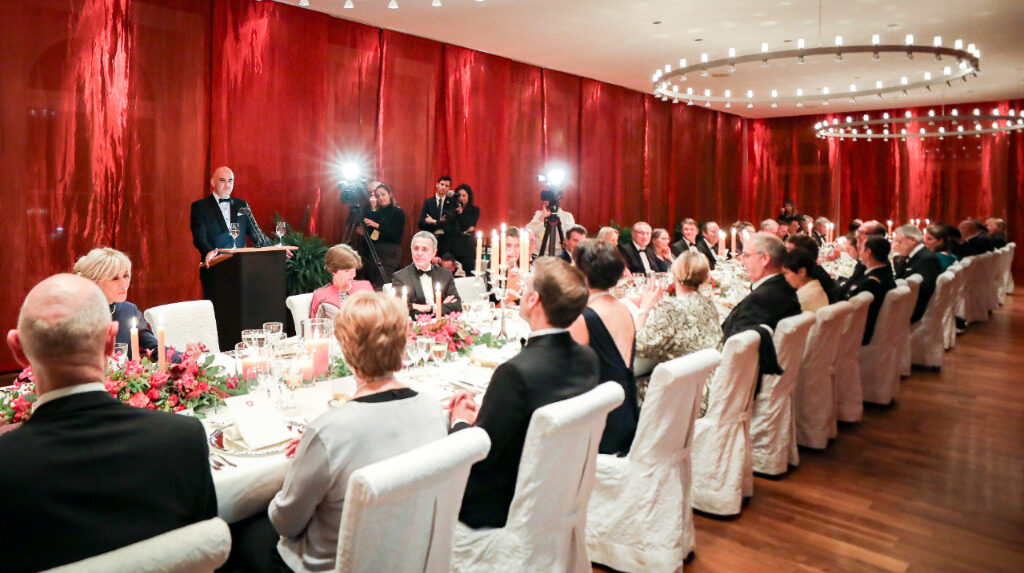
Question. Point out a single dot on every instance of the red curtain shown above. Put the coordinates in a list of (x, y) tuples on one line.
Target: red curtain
[(113, 112)]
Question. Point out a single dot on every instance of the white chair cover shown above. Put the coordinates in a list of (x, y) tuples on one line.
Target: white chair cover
[(772, 425), (995, 276), (470, 289), (1012, 248), (815, 399), (723, 471), (547, 520), (976, 291), (927, 335), (849, 394), (903, 342), (879, 376), (185, 322), (956, 295), (299, 305), (400, 513), (639, 517), (198, 548)]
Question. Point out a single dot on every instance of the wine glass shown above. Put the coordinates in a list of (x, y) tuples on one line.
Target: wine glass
[(410, 355), (440, 349), (234, 230), (280, 229), (423, 344), (274, 331)]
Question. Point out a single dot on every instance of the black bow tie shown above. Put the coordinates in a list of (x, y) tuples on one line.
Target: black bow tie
[(420, 272), (228, 200)]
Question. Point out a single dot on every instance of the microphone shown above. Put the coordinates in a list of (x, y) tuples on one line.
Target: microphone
[(263, 240)]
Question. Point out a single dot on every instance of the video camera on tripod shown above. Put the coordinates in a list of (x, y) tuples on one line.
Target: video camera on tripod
[(353, 187), (552, 194), (354, 193)]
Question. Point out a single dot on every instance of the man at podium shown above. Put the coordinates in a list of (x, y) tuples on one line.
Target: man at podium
[(221, 221)]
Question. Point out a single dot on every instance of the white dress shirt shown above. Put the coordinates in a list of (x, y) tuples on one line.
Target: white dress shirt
[(428, 287), (67, 391), (643, 258), (225, 210)]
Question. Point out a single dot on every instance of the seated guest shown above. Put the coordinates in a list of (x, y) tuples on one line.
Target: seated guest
[(670, 327), (342, 262), (689, 238), (420, 278), (975, 239), (783, 226), (87, 474), (770, 226), (639, 253), (609, 235), (384, 418), (514, 280), (877, 279), (854, 225), (551, 367), (607, 327), (996, 231), (707, 243), (817, 272), (806, 225), (573, 236), (771, 298), (448, 261), (866, 229), (662, 247), (915, 259), (111, 270), (797, 266), (796, 225), (937, 239), (820, 230)]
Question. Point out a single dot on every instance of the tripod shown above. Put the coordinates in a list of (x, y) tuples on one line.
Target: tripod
[(355, 221), (552, 225)]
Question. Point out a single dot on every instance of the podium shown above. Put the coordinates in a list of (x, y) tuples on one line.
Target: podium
[(248, 287)]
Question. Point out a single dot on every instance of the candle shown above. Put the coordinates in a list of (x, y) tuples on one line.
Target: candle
[(405, 296), (721, 248), (494, 255), (524, 254), (927, 222), (161, 351), (437, 299), (479, 268), (318, 347), (135, 339), (732, 241), (306, 367), (252, 365), (502, 255), (889, 222)]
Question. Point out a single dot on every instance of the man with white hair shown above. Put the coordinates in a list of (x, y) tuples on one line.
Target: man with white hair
[(87, 474), (820, 230), (771, 298), (420, 281), (915, 259), (639, 253)]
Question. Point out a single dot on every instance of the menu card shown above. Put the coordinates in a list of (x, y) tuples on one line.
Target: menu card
[(257, 421)]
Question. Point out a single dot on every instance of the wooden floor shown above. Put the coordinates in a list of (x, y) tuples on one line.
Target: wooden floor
[(933, 483)]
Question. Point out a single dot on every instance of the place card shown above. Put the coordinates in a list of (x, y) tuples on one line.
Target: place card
[(257, 421)]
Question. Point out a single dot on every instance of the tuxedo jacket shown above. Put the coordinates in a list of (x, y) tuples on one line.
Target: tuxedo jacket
[(209, 231), (87, 474), (550, 368), (818, 238), (635, 265), (565, 256), (878, 281), (925, 263), (976, 245), (681, 246), (998, 240), (410, 277), (769, 303), (709, 251), (444, 216)]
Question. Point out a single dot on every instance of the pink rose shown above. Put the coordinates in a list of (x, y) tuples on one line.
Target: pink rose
[(153, 394), (20, 404), (232, 382), (172, 400), (179, 408), (158, 379), (139, 400), (203, 387)]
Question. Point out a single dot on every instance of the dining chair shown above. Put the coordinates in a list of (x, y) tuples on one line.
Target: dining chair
[(848, 390), (815, 400), (879, 375), (186, 322)]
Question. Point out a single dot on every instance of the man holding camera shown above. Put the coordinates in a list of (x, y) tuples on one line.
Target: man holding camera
[(436, 215), (551, 203)]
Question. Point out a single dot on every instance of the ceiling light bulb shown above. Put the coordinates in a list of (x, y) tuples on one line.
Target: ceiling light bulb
[(304, 3), (903, 80), (825, 90), (707, 93), (775, 93), (866, 117), (970, 48), (393, 4), (689, 91), (839, 41), (682, 62), (947, 71), (910, 39), (732, 52), (764, 47), (885, 115), (937, 42), (878, 85), (908, 114), (853, 87), (750, 93), (876, 39), (349, 5), (668, 68), (927, 76), (995, 111), (799, 92), (977, 53), (958, 44), (436, 3), (799, 43), (931, 113), (963, 65)]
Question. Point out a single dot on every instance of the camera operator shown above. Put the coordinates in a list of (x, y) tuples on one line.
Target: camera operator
[(467, 214), (550, 203), (386, 224), (437, 215)]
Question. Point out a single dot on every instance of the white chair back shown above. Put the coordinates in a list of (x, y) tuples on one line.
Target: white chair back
[(772, 425), (400, 513), (956, 293), (470, 289), (815, 400), (197, 548), (722, 465), (849, 394), (185, 322), (903, 342), (629, 524), (976, 290), (879, 376), (1012, 248), (299, 306), (547, 519), (927, 346)]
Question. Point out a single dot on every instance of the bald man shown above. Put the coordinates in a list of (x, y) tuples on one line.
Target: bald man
[(87, 474), (212, 218)]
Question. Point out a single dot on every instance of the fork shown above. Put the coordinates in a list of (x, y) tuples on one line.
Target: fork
[(223, 460)]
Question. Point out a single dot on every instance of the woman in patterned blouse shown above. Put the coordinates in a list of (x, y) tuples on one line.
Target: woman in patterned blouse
[(670, 327), (342, 262)]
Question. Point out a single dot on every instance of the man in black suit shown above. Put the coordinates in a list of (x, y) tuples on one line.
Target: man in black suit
[(437, 215), (211, 218), (915, 258), (996, 231), (689, 239), (550, 368), (419, 280), (707, 242), (975, 239), (639, 254), (864, 231), (820, 231), (573, 236), (877, 279), (828, 284), (87, 474), (771, 298)]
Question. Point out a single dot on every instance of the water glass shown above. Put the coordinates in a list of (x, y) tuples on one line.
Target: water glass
[(273, 331), (440, 350), (423, 347)]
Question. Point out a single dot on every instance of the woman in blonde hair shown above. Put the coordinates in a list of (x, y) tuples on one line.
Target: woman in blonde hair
[(342, 262)]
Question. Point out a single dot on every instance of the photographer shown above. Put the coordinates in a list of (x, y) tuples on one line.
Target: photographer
[(386, 224), (463, 246), (536, 225), (437, 215)]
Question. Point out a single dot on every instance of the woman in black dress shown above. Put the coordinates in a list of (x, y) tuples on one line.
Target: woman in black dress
[(386, 225), (607, 326), (466, 217)]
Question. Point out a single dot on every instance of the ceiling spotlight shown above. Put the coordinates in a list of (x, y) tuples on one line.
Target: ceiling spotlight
[(349, 5), (304, 3), (393, 4), (436, 3)]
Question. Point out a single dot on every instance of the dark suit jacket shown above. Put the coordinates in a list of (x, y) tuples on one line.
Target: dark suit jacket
[(445, 220), (88, 474), (998, 239), (709, 251), (818, 237), (549, 369), (209, 231), (565, 256), (878, 281), (976, 245), (635, 265), (409, 277), (123, 313), (769, 303), (828, 284), (926, 264), (679, 246)]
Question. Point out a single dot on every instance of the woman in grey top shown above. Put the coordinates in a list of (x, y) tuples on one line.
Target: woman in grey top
[(384, 418)]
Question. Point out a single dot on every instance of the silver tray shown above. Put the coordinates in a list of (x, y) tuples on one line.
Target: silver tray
[(216, 441)]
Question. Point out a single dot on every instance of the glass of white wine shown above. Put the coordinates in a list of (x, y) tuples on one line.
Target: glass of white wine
[(440, 350), (423, 344), (280, 229), (234, 230)]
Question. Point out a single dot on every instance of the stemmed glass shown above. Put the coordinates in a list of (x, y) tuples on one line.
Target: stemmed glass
[(423, 346), (410, 356), (273, 331), (234, 230), (280, 229), (440, 349)]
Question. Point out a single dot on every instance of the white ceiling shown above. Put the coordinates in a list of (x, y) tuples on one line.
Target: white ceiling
[(617, 41)]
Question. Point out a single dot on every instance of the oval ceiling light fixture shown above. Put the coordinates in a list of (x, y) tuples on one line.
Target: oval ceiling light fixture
[(668, 79), (926, 126)]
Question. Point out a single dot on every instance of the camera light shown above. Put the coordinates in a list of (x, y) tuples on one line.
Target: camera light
[(350, 171), (556, 177)]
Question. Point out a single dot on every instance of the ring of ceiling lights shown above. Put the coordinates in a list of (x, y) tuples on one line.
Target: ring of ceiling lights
[(851, 129), (968, 66)]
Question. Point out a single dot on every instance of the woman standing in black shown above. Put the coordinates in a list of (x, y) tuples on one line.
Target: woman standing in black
[(466, 217), (386, 225)]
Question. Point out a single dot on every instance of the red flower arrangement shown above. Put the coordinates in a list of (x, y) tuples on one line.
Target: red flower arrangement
[(451, 329), (16, 401)]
